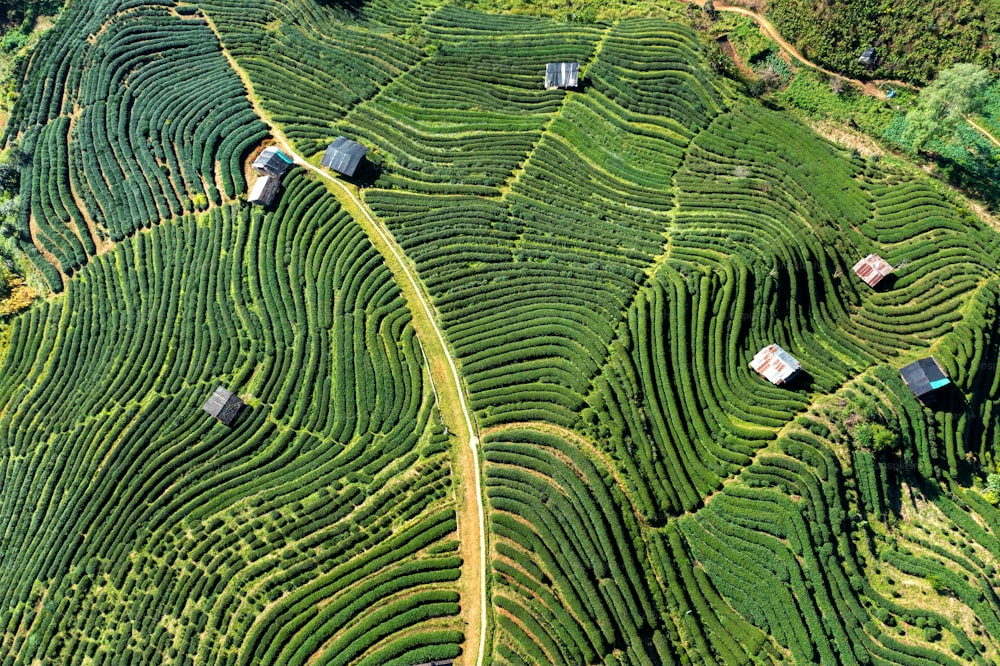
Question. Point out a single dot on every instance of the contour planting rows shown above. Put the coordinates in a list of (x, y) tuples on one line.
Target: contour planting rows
[(676, 404), (573, 577), (318, 528), (129, 115), (604, 262), (839, 553), (530, 285), (308, 65)]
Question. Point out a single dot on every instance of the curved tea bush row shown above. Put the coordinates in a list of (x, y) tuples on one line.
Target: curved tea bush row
[(308, 65), (578, 580), (130, 115), (568, 587), (465, 119), (319, 527), (762, 227), (529, 288)]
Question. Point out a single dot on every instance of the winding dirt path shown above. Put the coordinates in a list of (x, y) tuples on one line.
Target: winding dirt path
[(871, 88), (445, 378), (982, 130)]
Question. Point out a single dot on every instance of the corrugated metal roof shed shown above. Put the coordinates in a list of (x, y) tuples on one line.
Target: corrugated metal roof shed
[(343, 156), (264, 190), (223, 405), (872, 269), (775, 364), (272, 161), (923, 377), (562, 75)]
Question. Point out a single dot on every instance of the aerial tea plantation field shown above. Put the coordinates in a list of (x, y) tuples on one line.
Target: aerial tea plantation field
[(602, 264)]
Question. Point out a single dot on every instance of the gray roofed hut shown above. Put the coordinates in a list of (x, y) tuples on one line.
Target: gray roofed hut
[(562, 75), (343, 156), (868, 58), (264, 190), (224, 405), (775, 365), (272, 161), (924, 378)]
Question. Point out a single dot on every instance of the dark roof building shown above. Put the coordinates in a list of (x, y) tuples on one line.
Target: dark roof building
[(562, 75), (343, 156), (223, 405), (775, 365), (272, 161), (868, 58), (264, 190), (924, 378), (872, 269)]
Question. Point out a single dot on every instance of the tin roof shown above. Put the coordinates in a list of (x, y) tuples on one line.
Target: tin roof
[(923, 377), (562, 75), (343, 156), (223, 405), (264, 190), (775, 364), (872, 269), (272, 161)]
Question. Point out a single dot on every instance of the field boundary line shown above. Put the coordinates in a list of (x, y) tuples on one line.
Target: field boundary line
[(384, 242)]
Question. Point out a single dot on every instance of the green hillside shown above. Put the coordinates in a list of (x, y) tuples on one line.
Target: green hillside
[(601, 265), (914, 39)]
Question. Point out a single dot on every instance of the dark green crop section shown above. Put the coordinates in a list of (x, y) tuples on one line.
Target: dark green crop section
[(129, 114), (139, 530), (604, 262)]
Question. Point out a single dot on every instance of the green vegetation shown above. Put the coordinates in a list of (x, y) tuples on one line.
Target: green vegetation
[(955, 93), (603, 261), (915, 39), (123, 130), (318, 526)]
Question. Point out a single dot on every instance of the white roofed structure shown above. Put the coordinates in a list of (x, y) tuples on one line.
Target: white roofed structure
[(775, 365), (224, 405), (264, 190), (562, 75)]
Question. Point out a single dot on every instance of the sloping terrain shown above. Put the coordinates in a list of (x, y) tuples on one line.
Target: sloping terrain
[(604, 263)]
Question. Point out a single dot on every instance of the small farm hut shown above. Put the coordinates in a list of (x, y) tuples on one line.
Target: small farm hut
[(272, 161), (224, 405), (868, 58), (562, 75), (872, 269), (924, 378), (775, 365), (264, 190), (343, 156)]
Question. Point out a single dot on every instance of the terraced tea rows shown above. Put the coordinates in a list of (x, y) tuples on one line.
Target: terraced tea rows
[(309, 66), (604, 261), (130, 116), (530, 286), (320, 526), (816, 561), (574, 580)]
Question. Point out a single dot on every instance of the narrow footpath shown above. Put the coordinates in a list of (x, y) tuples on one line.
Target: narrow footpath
[(444, 376), (870, 88)]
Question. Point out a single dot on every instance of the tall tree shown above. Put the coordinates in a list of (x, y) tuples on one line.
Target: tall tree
[(956, 92)]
